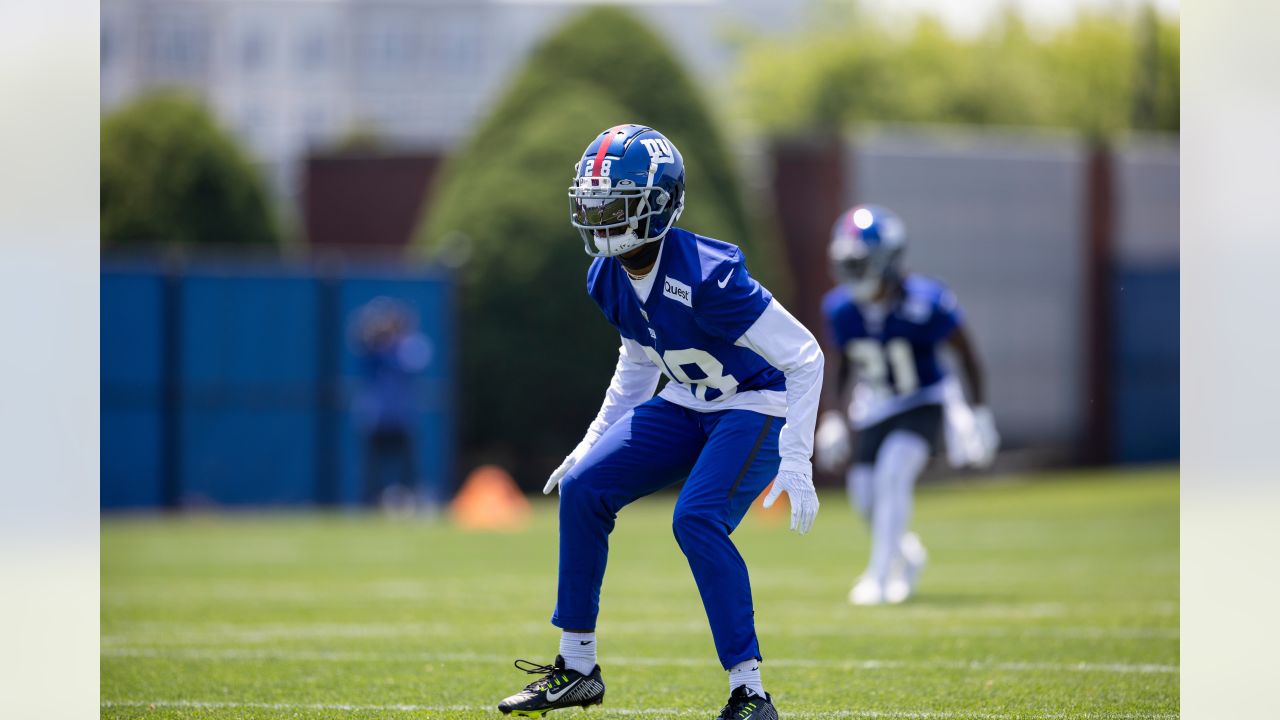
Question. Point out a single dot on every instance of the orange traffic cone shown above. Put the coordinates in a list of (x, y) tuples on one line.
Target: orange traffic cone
[(490, 500), (770, 516)]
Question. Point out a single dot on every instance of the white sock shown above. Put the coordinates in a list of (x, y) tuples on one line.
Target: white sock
[(578, 651), (746, 673)]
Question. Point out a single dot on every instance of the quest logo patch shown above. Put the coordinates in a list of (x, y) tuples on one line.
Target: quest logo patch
[(677, 291)]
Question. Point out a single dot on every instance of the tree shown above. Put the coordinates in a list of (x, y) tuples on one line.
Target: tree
[(646, 80), (536, 354), (170, 174), (1102, 74)]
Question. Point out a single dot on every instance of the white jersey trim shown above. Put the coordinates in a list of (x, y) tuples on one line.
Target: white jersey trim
[(767, 402)]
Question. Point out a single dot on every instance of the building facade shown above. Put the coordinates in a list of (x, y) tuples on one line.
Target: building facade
[(289, 75)]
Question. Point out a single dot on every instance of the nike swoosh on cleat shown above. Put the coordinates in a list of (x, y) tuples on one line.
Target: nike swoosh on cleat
[(552, 697), (725, 281)]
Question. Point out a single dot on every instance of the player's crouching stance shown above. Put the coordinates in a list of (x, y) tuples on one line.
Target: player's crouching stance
[(889, 326), (738, 411)]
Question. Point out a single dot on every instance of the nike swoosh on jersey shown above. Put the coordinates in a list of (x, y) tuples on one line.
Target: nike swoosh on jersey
[(554, 696), (725, 281)]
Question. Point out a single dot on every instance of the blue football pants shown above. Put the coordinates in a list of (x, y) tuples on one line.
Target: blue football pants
[(729, 457)]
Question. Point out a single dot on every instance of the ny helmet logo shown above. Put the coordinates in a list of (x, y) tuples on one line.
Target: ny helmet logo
[(659, 150)]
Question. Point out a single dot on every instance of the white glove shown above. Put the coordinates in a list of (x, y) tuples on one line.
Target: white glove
[(985, 424), (801, 495), (964, 446), (832, 447), (574, 458)]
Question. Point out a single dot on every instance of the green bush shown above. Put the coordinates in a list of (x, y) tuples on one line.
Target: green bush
[(646, 80), (536, 353), (1102, 74), (170, 174), (1157, 98)]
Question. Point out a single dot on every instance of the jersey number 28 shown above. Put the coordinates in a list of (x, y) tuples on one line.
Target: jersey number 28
[(673, 363)]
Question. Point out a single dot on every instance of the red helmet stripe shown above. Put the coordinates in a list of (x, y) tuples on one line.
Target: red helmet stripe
[(605, 141)]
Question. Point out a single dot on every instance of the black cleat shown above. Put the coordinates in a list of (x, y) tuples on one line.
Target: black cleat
[(558, 688), (745, 705)]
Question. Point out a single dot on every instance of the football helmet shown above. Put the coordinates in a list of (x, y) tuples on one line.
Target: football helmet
[(866, 249), (628, 190)]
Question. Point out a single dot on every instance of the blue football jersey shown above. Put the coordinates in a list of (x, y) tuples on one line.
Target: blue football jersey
[(894, 351), (702, 301)]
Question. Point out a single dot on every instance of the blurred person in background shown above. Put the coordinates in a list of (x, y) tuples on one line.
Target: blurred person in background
[(738, 411), (391, 353), (888, 326)]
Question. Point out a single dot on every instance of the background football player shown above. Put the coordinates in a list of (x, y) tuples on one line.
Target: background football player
[(888, 326), (738, 411)]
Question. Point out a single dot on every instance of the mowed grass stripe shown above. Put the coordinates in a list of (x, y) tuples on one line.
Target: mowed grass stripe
[(634, 712), (624, 661), (247, 633), (321, 592)]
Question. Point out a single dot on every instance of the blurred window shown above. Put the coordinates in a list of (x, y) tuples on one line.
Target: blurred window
[(458, 49), (179, 45), (391, 51), (105, 46), (313, 51), (255, 51)]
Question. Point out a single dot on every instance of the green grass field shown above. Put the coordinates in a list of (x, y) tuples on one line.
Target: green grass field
[(1052, 598)]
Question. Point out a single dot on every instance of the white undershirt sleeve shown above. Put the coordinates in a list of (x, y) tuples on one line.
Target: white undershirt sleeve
[(634, 380), (789, 346)]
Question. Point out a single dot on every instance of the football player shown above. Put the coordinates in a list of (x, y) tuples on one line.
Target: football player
[(738, 411), (888, 326)]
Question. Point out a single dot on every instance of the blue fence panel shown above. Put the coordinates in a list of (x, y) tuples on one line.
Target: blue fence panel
[(130, 367), (239, 455), (429, 297), (249, 372), (258, 410), (1146, 365)]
